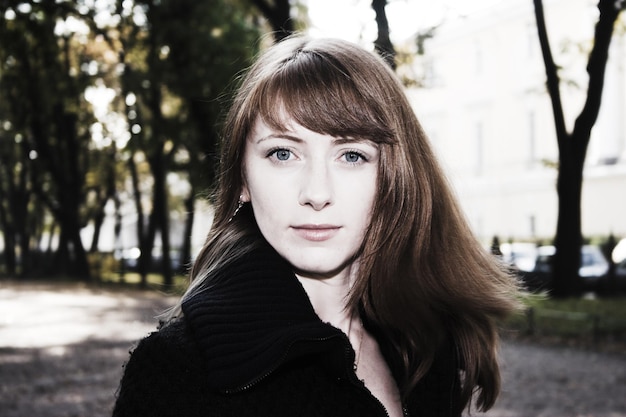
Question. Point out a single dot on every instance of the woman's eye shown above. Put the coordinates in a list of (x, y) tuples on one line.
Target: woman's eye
[(281, 154), (353, 157)]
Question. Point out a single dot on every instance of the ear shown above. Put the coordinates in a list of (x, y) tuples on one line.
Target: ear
[(245, 194)]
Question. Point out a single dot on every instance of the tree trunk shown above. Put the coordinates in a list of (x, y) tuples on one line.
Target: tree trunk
[(8, 204), (160, 215), (279, 17), (117, 232), (109, 193), (97, 226), (185, 255), (8, 236), (159, 163), (70, 189), (143, 263), (383, 44), (568, 240), (79, 265), (573, 147)]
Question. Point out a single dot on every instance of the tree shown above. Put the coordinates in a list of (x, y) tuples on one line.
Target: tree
[(220, 42), (44, 74), (176, 66), (573, 145), (168, 63), (15, 198)]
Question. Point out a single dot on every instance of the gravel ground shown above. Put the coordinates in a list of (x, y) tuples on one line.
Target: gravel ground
[(62, 350)]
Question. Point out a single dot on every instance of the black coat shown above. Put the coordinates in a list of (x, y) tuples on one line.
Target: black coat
[(252, 345)]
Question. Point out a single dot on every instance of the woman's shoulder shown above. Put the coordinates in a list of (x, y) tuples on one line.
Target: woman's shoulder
[(164, 353), (163, 370), (173, 336)]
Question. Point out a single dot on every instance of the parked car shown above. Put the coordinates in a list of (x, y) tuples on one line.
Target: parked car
[(620, 269), (130, 259), (593, 268), (620, 275), (520, 255), (619, 251), (609, 285)]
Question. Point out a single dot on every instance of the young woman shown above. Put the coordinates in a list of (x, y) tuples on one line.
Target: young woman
[(339, 277)]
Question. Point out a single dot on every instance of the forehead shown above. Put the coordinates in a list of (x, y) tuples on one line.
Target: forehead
[(283, 122), (277, 121), (292, 130), (335, 106)]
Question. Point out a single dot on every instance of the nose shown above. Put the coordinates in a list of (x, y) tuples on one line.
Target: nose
[(317, 189)]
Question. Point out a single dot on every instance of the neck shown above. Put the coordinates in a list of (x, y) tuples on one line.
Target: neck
[(328, 297)]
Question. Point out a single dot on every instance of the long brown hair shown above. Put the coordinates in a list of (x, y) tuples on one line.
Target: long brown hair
[(423, 276)]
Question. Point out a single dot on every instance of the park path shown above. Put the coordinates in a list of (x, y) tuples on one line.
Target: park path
[(62, 350)]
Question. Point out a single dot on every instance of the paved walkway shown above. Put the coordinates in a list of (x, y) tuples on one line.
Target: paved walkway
[(61, 351)]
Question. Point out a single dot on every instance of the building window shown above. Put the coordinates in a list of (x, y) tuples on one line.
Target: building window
[(532, 140), (479, 151), (532, 40), (478, 59)]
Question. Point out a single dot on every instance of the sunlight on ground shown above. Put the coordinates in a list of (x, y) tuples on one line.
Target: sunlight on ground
[(47, 319)]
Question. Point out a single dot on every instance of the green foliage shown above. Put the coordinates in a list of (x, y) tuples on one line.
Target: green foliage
[(202, 48), (43, 73), (175, 57), (178, 67), (585, 321), (176, 64), (154, 282)]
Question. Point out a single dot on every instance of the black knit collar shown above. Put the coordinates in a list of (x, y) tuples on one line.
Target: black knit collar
[(254, 317)]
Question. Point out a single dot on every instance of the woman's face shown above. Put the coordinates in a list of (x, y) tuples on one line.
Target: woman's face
[(312, 195)]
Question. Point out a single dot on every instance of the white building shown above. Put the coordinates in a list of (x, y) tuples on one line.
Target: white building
[(488, 114)]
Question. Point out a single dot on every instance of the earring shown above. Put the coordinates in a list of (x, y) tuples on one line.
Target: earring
[(239, 205)]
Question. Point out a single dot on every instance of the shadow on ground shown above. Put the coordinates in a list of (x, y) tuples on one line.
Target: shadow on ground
[(62, 351), (62, 348), (75, 380)]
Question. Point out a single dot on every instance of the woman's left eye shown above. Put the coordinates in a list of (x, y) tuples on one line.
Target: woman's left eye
[(353, 157), (280, 154)]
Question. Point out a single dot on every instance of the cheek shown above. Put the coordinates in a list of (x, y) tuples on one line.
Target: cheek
[(267, 200), (367, 212), (368, 194), (251, 186), (260, 191), (367, 205)]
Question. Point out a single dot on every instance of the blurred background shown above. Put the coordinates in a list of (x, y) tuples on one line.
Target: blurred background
[(109, 124), (110, 113)]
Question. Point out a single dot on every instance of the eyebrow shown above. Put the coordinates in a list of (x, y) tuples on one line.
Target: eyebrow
[(337, 141), (279, 136), (341, 141)]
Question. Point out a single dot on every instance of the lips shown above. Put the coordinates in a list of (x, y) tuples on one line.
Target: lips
[(316, 233)]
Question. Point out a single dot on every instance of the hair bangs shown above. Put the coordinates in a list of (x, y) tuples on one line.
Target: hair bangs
[(318, 93)]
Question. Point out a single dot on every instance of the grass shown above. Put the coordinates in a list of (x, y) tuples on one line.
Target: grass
[(107, 269), (587, 321), (590, 321), (154, 281)]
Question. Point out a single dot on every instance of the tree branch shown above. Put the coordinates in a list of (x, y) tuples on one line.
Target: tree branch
[(279, 17), (383, 44), (551, 74), (596, 68)]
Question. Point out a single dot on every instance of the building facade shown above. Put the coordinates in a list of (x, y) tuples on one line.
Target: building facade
[(485, 107)]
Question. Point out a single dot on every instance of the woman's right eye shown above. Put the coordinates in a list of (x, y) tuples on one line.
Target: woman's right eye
[(280, 154)]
